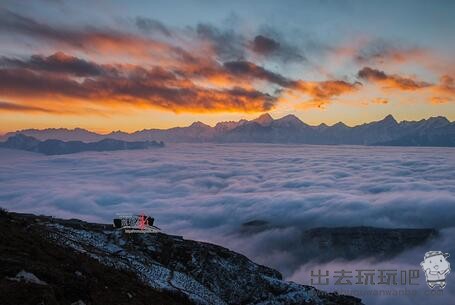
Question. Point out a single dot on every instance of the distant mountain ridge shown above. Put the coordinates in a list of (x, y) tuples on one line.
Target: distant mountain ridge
[(434, 131), (59, 147)]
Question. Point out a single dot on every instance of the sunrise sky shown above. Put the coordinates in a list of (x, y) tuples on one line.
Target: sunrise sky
[(122, 65)]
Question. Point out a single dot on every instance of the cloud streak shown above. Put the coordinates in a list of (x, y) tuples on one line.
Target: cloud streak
[(13, 107), (378, 51), (391, 81), (58, 62)]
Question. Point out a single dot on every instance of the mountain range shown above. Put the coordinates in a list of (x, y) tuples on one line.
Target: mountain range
[(59, 147), (434, 131)]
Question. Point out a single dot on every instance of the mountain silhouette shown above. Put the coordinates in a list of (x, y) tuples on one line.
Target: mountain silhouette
[(58, 147), (434, 131)]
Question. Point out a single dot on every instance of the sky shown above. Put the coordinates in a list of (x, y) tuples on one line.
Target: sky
[(129, 66)]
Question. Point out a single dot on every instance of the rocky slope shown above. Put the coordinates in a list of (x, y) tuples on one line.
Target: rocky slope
[(44, 260)]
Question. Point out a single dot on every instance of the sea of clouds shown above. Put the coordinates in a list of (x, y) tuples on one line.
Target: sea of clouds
[(207, 191)]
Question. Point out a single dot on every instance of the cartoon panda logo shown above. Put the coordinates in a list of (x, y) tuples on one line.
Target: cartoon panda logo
[(436, 268)]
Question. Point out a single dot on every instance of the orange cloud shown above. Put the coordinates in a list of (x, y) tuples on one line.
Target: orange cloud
[(440, 100), (313, 104), (379, 100), (152, 88), (323, 93), (326, 89), (446, 85), (391, 81), (245, 73), (444, 91), (213, 87)]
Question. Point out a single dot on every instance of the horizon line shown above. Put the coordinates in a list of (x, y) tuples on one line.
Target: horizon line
[(261, 115)]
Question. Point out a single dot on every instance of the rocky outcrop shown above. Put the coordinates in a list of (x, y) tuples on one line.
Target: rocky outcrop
[(325, 244), (168, 269)]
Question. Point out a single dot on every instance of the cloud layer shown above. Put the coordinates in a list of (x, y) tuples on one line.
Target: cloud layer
[(208, 191)]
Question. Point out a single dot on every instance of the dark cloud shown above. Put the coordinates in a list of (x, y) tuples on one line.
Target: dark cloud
[(273, 45), (58, 62), (373, 74), (149, 25), (264, 45), (249, 69), (391, 81), (228, 45), (26, 83)]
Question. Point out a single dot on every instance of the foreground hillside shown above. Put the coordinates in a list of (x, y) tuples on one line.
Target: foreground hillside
[(44, 260)]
